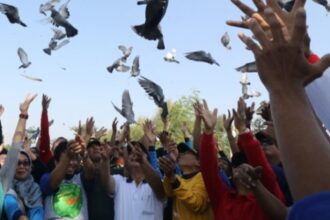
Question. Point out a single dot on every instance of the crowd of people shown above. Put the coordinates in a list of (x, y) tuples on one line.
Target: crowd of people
[(277, 173)]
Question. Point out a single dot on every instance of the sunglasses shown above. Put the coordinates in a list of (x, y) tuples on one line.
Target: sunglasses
[(25, 163)]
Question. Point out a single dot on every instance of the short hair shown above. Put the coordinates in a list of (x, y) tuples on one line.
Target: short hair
[(60, 148)]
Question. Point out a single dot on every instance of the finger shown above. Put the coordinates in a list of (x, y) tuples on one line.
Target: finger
[(298, 4), (240, 24), (215, 112), (275, 6), (321, 66), (243, 7), (251, 45), (260, 5), (299, 30), (205, 105), (258, 33), (275, 26)]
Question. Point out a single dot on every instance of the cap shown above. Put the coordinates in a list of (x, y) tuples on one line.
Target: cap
[(93, 141), (183, 148)]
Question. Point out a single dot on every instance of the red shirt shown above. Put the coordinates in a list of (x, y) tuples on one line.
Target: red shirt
[(45, 153)]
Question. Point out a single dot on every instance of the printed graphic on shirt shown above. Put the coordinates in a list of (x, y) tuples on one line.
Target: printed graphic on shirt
[(67, 202)]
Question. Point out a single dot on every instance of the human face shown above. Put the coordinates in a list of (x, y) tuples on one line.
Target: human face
[(188, 159), (94, 152), (23, 168), (73, 165)]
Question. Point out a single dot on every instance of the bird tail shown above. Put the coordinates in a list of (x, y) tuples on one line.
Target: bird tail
[(110, 69), (165, 111), (161, 45), (71, 31), (23, 24), (148, 33), (143, 2), (176, 61), (47, 51)]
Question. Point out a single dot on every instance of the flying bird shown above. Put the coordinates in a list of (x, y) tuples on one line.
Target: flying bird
[(119, 66), (150, 30), (135, 69), (126, 52), (127, 108), (12, 14), (225, 40), (51, 46), (323, 3), (244, 82), (64, 11), (24, 58), (247, 68), (32, 78), (32, 134), (201, 56), (156, 92), (58, 34), (170, 57), (47, 6), (59, 20)]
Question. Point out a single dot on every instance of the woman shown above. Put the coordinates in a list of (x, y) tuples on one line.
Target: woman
[(24, 199)]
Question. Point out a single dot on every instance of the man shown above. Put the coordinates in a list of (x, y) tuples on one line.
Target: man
[(65, 188), (100, 205), (140, 195), (190, 196)]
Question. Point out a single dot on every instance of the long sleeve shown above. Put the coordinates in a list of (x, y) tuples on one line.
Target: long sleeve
[(12, 208), (153, 161), (1, 134), (209, 168), (256, 157), (44, 148)]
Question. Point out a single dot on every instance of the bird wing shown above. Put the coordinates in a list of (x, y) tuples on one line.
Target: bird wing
[(127, 107), (32, 78), (136, 63), (64, 11), (153, 90), (196, 55), (122, 68), (118, 109), (122, 48), (62, 43), (23, 56)]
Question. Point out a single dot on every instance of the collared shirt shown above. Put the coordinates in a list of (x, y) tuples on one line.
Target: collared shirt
[(137, 202)]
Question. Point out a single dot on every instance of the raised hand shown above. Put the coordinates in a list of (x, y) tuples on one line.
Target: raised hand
[(100, 133), (79, 129), (197, 105), (24, 107), (167, 165), (45, 102), (89, 128), (227, 122), (281, 63), (249, 112), (149, 133), (248, 175), (240, 115), (266, 113), (114, 125), (184, 128), (2, 109), (209, 118)]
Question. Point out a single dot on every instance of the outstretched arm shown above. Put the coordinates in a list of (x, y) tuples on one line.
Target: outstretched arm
[(45, 153)]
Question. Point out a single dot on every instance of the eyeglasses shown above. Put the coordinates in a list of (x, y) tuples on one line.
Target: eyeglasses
[(25, 163)]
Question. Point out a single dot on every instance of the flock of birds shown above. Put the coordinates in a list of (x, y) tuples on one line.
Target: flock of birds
[(150, 30)]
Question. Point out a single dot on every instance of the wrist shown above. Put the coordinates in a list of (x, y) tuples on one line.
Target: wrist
[(23, 116), (208, 131), (243, 130)]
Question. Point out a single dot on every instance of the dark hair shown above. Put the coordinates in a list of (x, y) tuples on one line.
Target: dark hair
[(60, 148), (4, 151), (238, 159), (140, 145), (93, 141)]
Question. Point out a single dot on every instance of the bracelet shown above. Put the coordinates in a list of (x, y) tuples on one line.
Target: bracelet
[(24, 116)]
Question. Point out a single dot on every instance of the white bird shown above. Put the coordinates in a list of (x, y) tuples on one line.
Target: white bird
[(23, 57), (135, 69), (126, 52), (255, 94), (170, 57)]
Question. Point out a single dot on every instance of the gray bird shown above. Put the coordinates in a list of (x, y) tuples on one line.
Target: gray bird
[(201, 56), (323, 3), (247, 68), (61, 44), (32, 134), (170, 57), (32, 78), (64, 11), (51, 46), (127, 108), (12, 14), (58, 34), (225, 40), (156, 92), (151, 30), (24, 58), (119, 66), (59, 20), (51, 122), (126, 52), (135, 69), (47, 6)]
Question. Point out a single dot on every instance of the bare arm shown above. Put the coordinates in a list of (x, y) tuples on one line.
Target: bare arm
[(197, 128), (58, 174), (227, 123), (114, 132), (107, 179)]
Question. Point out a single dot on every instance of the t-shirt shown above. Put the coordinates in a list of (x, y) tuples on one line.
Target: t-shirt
[(137, 202), (68, 202)]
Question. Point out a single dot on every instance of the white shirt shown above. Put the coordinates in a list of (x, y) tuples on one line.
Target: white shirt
[(136, 202)]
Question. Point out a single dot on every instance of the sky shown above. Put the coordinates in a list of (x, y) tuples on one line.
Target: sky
[(86, 89)]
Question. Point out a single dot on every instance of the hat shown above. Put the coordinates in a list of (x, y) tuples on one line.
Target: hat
[(93, 141), (183, 148)]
